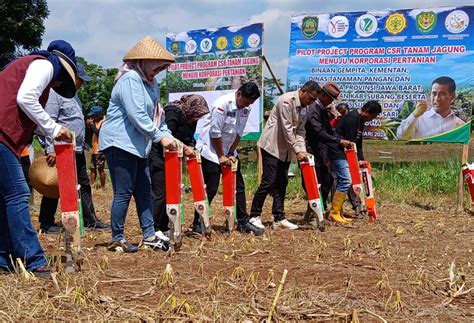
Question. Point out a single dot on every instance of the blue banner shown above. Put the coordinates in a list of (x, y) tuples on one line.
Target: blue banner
[(214, 62), (417, 63)]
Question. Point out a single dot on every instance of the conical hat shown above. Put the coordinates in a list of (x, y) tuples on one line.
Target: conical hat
[(148, 48), (43, 178)]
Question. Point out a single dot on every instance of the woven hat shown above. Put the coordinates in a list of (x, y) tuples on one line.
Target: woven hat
[(149, 48), (43, 178)]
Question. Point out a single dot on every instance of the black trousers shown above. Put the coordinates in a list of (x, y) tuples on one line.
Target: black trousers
[(49, 205), (160, 218), (212, 176), (325, 180), (274, 182)]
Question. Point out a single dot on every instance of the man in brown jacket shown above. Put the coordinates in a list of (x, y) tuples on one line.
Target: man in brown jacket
[(282, 136)]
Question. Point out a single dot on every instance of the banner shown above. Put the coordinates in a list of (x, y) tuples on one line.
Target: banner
[(417, 63), (214, 62)]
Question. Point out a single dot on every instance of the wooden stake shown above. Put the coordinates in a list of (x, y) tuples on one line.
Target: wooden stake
[(460, 196), (277, 296)]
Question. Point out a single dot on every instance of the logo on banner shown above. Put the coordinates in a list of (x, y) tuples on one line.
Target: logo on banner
[(457, 21), (206, 45), (309, 27), (237, 41), (221, 43), (253, 40), (366, 25), (426, 21), (175, 47), (338, 26), (191, 46), (396, 23)]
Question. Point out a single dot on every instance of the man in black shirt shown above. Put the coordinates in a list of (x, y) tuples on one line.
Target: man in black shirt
[(349, 128), (319, 134)]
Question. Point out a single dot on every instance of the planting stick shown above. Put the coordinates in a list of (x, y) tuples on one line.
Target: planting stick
[(277, 296)]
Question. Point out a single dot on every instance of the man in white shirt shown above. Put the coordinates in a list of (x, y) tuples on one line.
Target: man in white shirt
[(439, 119), (220, 134)]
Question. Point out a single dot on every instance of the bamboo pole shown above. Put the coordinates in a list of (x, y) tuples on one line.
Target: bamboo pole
[(273, 75)]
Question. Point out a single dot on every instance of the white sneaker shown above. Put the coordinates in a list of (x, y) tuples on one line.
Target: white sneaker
[(284, 224), (162, 235), (256, 221)]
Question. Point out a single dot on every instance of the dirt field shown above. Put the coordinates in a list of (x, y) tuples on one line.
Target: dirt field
[(397, 269)]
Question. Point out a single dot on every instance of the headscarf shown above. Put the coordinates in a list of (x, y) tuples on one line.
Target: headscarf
[(63, 58), (63, 47), (143, 67), (193, 107)]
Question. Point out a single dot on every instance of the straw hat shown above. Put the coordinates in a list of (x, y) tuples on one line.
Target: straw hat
[(148, 48), (43, 178)]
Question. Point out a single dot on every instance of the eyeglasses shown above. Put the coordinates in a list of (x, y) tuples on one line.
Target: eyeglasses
[(314, 98)]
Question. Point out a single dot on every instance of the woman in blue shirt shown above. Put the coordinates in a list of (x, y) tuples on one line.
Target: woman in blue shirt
[(133, 122)]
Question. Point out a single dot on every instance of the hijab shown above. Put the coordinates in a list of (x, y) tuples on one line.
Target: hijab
[(193, 107)]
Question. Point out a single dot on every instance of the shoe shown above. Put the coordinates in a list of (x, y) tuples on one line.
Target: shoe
[(197, 228), (98, 226), (124, 245), (257, 222), (157, 243), (284, 224), (309, 214), (51, 229), (42, 272), (162, 235), (250, 228)]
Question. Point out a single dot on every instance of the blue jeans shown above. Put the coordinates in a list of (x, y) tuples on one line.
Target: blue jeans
[(341, 168), (130, 177), (17, 236)]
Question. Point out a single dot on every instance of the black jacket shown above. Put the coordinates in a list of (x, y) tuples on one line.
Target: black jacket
[(350, 128), (319, 133), (179, 129)]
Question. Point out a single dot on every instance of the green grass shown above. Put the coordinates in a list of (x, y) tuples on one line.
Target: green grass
[(402, 182)]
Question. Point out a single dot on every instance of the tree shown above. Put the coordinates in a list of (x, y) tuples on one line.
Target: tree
[(98, 90), (21, 27), (270, 92)]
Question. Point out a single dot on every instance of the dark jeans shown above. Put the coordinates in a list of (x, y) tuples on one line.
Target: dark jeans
[(274, 181), (25, 165), (130, 176), (212, 175), (160, 218), (49, 205), (17, 236)]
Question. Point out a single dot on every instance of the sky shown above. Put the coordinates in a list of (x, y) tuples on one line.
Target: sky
[(102, 31)]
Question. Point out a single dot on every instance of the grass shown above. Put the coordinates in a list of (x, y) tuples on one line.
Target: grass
[(400, 182), (405, 181)]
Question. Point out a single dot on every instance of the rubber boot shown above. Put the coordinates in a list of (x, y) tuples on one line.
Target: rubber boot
[(336, 208)]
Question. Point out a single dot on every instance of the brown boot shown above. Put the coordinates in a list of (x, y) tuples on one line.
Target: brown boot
[(336, 208)]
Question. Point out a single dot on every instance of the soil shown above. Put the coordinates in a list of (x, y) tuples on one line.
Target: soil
[(397, 268)]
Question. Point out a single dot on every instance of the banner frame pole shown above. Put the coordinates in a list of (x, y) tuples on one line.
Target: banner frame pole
[(460, 193)]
